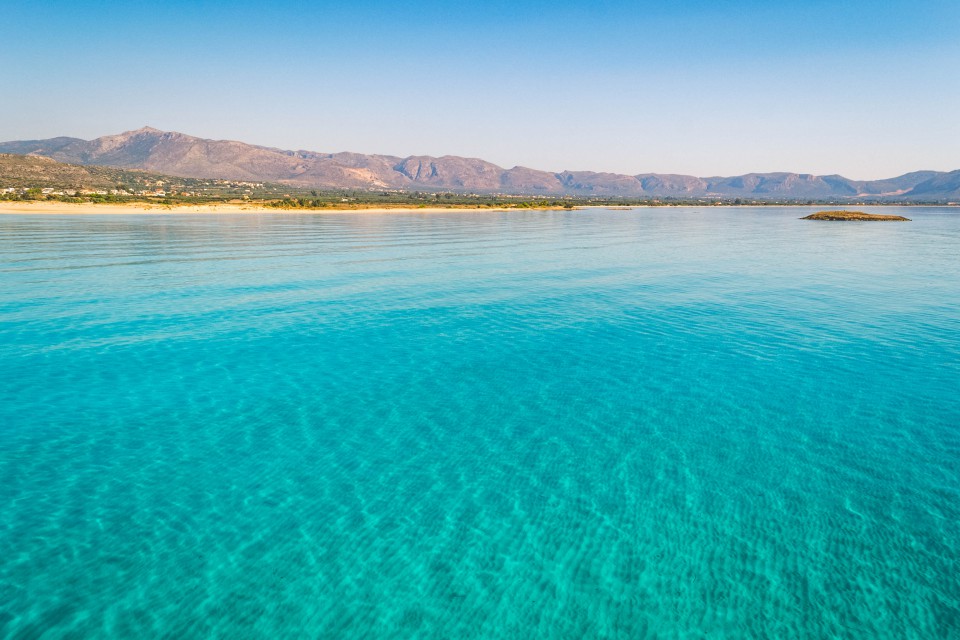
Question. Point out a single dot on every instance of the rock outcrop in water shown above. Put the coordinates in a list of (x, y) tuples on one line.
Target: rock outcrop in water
[(853, 215)]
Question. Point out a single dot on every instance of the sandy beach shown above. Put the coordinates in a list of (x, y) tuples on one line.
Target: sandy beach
[(226, 208)]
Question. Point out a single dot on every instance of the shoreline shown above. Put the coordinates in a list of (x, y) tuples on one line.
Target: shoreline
[(146, 208)]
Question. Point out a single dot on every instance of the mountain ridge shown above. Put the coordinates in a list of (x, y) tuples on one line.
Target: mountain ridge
[(179, 154)]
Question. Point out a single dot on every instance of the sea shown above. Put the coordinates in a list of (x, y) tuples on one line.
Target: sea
[(666, 422)]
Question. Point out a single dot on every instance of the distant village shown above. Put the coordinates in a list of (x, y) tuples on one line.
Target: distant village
[(193, 188)]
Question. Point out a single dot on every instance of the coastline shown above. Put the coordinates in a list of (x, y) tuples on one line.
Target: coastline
[(143, 208), (147, 208)]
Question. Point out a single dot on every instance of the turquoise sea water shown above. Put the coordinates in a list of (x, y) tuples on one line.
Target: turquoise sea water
[(658, 423)]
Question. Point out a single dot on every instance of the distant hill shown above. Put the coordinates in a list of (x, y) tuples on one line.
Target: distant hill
[(939, 186), (37, 171), (21, 172), (182, 155)]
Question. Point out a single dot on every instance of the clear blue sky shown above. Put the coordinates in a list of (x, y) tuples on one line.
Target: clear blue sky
[(862, 88)]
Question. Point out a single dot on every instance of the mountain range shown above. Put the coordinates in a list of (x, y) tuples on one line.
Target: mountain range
[(178, 154)]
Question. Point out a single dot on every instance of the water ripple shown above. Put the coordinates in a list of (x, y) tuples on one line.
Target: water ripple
[(656, 423)]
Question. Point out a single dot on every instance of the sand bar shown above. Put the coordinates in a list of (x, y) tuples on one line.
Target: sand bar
[(225, 208)]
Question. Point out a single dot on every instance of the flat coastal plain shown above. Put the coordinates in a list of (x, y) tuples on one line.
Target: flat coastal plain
[(150, 208)]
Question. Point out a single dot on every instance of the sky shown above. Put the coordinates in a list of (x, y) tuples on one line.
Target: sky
[(861, 88)]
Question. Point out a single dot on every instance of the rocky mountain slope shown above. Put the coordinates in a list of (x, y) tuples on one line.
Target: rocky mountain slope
[(21, 171), (179, 154)]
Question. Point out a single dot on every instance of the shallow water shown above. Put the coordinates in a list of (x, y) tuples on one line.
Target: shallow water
[(663, 423)]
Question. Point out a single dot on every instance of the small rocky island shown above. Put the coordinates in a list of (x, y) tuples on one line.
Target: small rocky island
[(853, 215)]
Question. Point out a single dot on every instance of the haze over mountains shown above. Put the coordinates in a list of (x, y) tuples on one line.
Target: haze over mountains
[(183, 155)]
